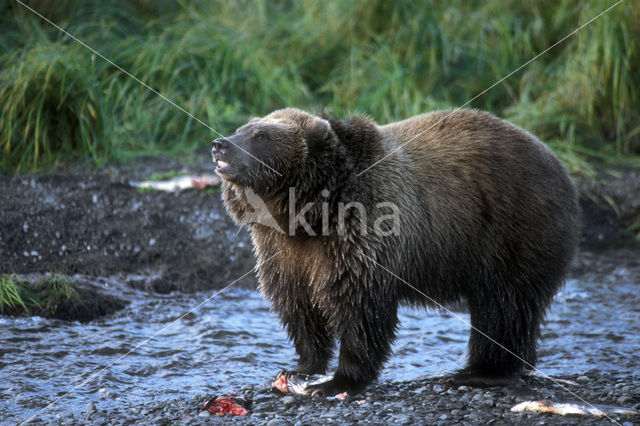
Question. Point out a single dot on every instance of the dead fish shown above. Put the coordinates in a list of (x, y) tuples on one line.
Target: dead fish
[(227, 404), (180, 183), (572, 408), (298, 383)]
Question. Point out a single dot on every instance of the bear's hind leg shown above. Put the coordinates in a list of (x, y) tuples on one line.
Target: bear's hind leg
[(502, 344)]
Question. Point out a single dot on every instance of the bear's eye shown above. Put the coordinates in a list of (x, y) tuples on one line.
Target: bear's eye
[(260, 137)]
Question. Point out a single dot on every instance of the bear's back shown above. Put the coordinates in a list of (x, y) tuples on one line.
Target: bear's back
[(489, 189)]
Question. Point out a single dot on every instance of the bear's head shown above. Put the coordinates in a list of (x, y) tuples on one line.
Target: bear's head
[(267, 153)]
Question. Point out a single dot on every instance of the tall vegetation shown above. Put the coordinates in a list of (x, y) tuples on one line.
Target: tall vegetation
[(226, 61)]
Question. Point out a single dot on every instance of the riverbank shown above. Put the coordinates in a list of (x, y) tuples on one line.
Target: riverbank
[(94, 222), (418, 401)]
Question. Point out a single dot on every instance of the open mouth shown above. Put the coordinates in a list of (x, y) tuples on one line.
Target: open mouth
[(225, 170), (221, 166)]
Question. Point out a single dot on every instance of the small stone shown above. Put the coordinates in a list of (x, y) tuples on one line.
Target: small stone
[(437, 388), (204, 414), (443, 417), (463, 388), (402, 419), (583, 379), (488, 402), (288, 400), (34, 253)]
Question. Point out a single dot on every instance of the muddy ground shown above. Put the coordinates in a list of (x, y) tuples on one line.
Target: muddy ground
[(89, 221), (94, 222)]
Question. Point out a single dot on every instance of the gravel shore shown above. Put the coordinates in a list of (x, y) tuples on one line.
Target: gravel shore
[(419, 401)]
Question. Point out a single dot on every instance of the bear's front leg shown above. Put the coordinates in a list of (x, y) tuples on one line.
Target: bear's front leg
[(309, 330), (367, 330)]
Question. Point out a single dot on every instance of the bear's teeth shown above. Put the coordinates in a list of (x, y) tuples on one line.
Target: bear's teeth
[(222, 164)]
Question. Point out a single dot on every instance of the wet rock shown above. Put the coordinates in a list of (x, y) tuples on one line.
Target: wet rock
[(204, 414), (488, 402), (402, 419), (288, 400)]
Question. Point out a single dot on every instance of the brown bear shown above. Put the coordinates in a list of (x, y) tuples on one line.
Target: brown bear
[(451, 206)]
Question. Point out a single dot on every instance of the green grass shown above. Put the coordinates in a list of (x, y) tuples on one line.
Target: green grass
[(15, 295), (55, 290), (46, 295), (227, 61)]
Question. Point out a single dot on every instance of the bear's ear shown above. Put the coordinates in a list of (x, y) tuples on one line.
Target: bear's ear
[(318, 134)]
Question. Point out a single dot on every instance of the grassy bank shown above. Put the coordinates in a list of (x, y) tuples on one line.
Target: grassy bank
[(47, 295), (54, 296), (226, 61)]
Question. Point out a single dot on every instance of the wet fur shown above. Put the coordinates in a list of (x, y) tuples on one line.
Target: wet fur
[(488, 215)]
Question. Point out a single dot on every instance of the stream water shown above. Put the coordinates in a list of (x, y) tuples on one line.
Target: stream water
[(233, 340)]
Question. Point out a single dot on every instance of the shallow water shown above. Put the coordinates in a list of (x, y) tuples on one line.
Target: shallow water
[(233, 340)]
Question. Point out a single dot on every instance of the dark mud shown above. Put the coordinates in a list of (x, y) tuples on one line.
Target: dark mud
[(93, 222), (610, 205)]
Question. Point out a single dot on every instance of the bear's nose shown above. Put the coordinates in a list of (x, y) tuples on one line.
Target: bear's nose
[(220, 144)]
